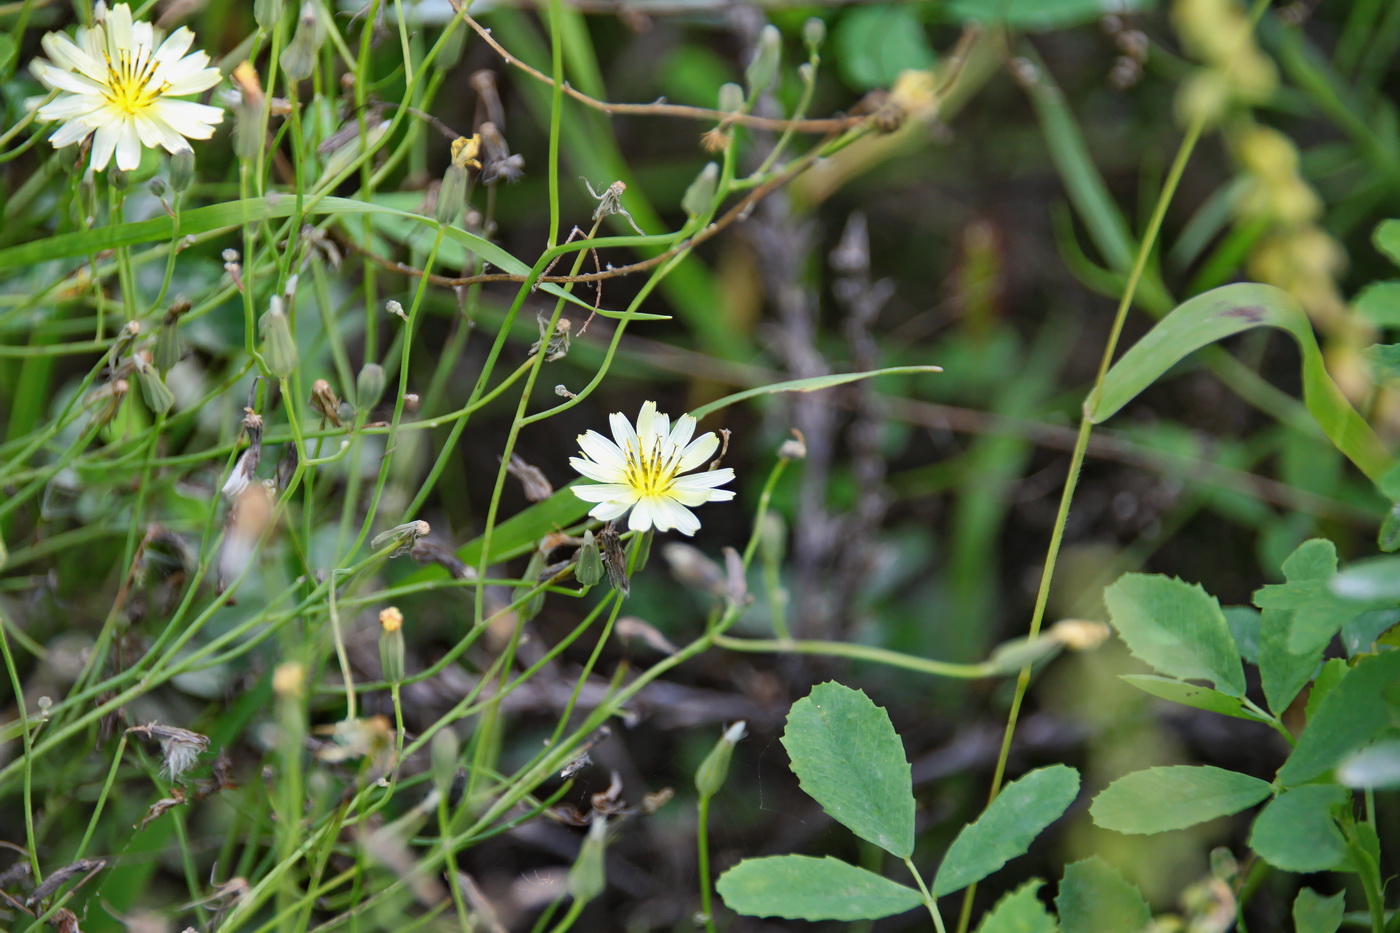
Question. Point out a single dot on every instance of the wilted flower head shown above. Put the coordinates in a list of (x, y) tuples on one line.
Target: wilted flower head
[(642, 471), (117, 83), (179, 747)]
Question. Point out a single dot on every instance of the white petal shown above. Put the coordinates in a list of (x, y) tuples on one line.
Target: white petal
[(668, 513), (698, 451), (59, 80), (118, 29), (606, 492), (623, 432), (596, 472), (704, 480), (186, 117), (603, 451), (104, 144), (69, 107), (661, 426), (128, 147), (69, 133), (645, 418), (175, 46), (150, 134), (640, 519), (143, 38), (683, 431), (191, 80), (66, 54), (607, 511)]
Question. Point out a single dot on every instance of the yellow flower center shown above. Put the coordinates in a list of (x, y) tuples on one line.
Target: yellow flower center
[(648, 471), (129, 88)]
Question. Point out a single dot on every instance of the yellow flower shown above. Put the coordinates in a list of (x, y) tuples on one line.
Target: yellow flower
[(117, 85), (641, 471)]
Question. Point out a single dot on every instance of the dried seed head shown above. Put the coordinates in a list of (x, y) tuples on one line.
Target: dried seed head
[(795, 448), (181, 747), (324, 400), (403, 537), (396, 309)]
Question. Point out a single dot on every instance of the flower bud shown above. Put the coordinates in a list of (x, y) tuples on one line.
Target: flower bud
[(168, 349), (391, 650), (1011, 656), (587, 877), (443, 754), (279, 346), (533, 571), (763, 70), (159, 398), (709, 777), (452, 195), (182, 170), (369, 386), (639, 549), (590, 562), (731, 98), (266, 13), (700, 196), (156, 186), (299, 57), (814, 34)]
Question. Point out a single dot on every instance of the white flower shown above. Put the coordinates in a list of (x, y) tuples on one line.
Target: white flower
[(115, 81), (641, 472)]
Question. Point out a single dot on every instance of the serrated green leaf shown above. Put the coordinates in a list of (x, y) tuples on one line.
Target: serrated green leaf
[(1194, 695), (798, 887), (1313, 913), (1019, 912), (849, 759), (1230, 310), (1282, 672), (1007, 827), (1177, 628), (1352, 714), (1244, 628), (1296, 831), (1094, 898), (1173, 797)]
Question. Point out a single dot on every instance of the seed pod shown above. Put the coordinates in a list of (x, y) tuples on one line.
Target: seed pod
[(709, 777), (369, 386), (590, 562), (700, 196), (159, 398), (279, 347), (587, 878), (763, 70)]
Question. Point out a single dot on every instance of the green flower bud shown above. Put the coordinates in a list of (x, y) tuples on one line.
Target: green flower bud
[(639, 549), (731, 98), (298, 59), (369, 386), (279, 346), (182, 170), (452, 195), (763, 70), (709, 777), (587, 877), (1010, 656), (157, 186), (444, 753), (700, 196), (159, 398), (533, 571), (266, 13), (814, 34), (121, 180), (168, 348), (590, 562), (391, 650)]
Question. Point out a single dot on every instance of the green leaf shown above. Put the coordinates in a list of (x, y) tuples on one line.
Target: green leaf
[(1282, 673), (1177, 691), (1313, 913), (1244, 625), (1385, 362), (798, 887), (1379, 303), (1094, 897), (874, 44), (1375, 578), (1221, 313), (1296, 831), (810, 384), (1007, 827), (1177, 628), (1173, 797), (1349, 717), (1361, 634), (849, 759), (1040, 15), (1387, 239), (1019, 912), (1314, 559), (1328, 677)]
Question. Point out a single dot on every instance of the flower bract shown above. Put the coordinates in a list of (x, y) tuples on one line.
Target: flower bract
[(116, 84), (641, 469)]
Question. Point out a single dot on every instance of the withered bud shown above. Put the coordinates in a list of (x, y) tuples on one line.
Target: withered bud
[(489, 109), (396, 309), (403, 537), (428, 551), (630, 627), (1079, 634), (614, 559), (288, 679), (391, 619), (537, 487), (181, 747), (692, 568), (795, 448), (499, 164), (391, 646), (324, 400)]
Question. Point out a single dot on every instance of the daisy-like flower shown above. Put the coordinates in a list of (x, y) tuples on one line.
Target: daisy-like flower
[(640, 469), (116, 84)]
